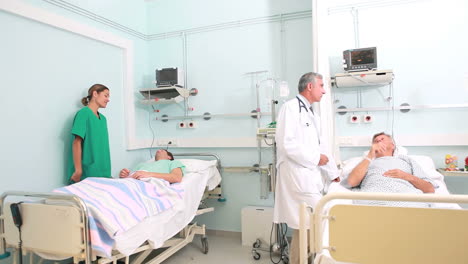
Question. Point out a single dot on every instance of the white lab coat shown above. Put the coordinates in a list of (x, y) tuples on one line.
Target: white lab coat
[(300, 179)]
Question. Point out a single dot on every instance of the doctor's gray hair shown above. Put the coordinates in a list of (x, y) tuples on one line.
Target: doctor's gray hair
[(308, 78)]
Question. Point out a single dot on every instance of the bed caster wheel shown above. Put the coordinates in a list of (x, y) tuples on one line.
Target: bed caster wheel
[(255, 255), (204, 242), (257, 243)]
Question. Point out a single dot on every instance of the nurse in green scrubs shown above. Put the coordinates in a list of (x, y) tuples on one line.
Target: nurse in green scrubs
[(90, 155)]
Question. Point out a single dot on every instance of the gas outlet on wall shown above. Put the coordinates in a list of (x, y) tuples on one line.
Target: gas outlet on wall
[(368, 118), (182, 124), (354, 119), (191, 124)]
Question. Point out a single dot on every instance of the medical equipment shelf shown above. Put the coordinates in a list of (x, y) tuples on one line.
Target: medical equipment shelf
[(372, 78), (177, 99), (166, 95), (268, 132), (452, 173)]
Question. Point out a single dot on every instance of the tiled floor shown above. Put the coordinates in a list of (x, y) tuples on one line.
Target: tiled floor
[(224, 248)]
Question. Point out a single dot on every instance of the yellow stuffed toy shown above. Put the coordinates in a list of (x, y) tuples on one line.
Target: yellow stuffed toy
[(451, 163)]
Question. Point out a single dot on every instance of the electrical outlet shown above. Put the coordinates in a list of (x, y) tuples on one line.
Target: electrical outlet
[(354, 119), (182, 124), (165, 142), (368, 118), (192, 124), (172, 142)]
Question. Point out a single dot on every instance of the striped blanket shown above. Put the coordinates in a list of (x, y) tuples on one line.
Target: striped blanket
[(116, 205)]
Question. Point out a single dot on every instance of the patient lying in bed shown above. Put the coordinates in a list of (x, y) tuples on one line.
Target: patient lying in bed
[(164, 167), (381, 171)]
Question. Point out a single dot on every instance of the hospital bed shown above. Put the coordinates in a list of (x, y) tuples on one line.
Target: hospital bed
[(56, 226), (343, 232)]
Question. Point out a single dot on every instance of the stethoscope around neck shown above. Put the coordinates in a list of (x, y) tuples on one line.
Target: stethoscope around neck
[(303, 105)]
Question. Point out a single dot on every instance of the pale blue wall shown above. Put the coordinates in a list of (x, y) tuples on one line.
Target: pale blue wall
[(124, 13), (46, 72), (217, 63), (217, 71), (49, 70), (171, 15)]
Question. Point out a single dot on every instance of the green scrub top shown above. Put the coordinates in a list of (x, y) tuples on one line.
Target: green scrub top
[(95, 147), (161, 166)]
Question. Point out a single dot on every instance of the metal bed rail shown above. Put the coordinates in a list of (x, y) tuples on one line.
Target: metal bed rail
[(75, 200), (217, 192), (53, 196), (314, 243)]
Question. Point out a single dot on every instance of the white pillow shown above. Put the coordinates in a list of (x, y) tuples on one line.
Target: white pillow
[(424, 161), (427, 164), (348, 165), (195, 165)]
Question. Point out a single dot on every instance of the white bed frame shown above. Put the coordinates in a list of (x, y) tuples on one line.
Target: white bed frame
[(68, 226), (379, 234)]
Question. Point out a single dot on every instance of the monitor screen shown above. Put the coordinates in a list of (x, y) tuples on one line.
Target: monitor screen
[(166, 76), (362, 57)]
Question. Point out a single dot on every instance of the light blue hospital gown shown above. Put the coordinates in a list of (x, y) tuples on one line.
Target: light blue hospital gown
[(374, 181)]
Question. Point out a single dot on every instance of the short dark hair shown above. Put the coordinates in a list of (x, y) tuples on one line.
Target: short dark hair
[(171, 157), (380, 134)]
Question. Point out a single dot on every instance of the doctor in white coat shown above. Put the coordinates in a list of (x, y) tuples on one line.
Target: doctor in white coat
[(304, 166)]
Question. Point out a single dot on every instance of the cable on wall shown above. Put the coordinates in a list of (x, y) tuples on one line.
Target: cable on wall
[(238, 23), (282, 49), (184, 63), (93, 16), (152, 131), (232, 24), (369, 4)]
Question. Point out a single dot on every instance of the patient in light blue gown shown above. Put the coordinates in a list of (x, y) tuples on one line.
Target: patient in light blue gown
[(164, 167)]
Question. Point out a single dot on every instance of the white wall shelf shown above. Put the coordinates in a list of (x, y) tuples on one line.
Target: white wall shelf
[(374, 78), (452, 173), (165, 95), (176, 99)]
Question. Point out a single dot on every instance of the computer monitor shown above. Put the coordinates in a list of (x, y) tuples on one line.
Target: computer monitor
[(360, 59), (169, 77)]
